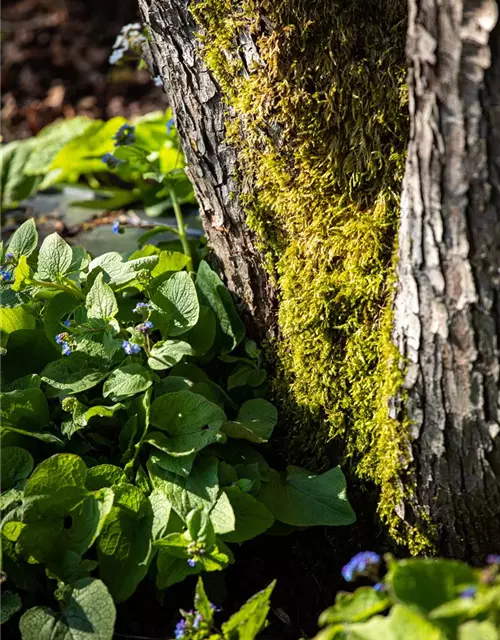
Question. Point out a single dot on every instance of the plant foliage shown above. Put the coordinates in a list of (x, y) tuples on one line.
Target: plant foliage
[(135, 432)]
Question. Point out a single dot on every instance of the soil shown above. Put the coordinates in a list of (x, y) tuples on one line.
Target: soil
[(55, 64)]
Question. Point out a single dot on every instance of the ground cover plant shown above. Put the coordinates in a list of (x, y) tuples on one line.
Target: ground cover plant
[(134, 427), (431, 599)]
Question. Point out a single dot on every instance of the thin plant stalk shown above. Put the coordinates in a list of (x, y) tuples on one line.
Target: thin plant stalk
[(181, 229)]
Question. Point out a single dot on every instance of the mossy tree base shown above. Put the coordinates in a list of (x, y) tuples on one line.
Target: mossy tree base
[(294, 120)]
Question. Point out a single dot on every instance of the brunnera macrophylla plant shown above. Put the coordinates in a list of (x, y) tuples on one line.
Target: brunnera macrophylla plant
[(134, 425), (429, 598)]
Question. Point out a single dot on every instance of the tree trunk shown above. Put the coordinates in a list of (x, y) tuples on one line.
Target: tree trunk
[(447, 308), (200, 117), (293, 122)]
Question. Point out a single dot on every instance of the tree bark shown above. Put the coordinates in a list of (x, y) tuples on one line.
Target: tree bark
[(447, 304), (200, 117), (447, 308)]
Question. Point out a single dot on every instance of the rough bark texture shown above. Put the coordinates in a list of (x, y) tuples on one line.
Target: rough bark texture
[(200, 117), (447, 309)]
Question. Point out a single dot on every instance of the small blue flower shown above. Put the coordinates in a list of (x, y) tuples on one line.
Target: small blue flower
[(170, 124), (215, 608), (9, 256), (110, 160), (66, 323), (145, 326), (493, 558), (359, 564), (124, 135), (141, 306), (116, 227), (131, 348), (197, 619), (380, 586), (61, 338), (192, 562), (5, 275), (66, 349), (469, 592), (158, 81), (180, 628)]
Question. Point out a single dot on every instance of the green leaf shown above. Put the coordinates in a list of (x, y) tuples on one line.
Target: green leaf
[(215, 295), (127, 381), (124, 546), (202, 603), (168, 353), (9, 606), (82, 416), (162, 510), (101, 302), (17, 318), (171, 570), (16, 465), (428, 583), (201, 337), (246, 375), (364, 603), (57, 309), (303, 499), (176, 299), (59, 513), (255, 421), (29, 351), (104, 475), (89, 615), (200, 489), (116, 271), (252, 517), (247, 623), (473, 630), (74, 373), (222, 515), (24, 409), (54, 258), (180, 465), (167, 260), (53, 138), (16, 185), (191, 421), (24, 240), (401, 624)]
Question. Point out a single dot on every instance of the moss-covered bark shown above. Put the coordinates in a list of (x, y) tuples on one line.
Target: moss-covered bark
[(316, 114)]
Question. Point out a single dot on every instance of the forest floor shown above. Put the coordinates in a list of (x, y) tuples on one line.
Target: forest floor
[(55, 64)]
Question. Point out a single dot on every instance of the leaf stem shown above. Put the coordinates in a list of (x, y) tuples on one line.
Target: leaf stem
[(182, 230), (55, 285)]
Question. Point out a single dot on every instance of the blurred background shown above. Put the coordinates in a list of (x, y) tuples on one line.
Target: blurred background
[(55, 64)]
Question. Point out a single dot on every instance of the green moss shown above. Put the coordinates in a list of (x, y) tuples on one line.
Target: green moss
[(320, 127)]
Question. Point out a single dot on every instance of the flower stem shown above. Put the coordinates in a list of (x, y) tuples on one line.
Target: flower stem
[(182, 230)]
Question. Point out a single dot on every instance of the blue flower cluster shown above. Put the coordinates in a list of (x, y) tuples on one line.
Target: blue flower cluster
[(141, 307), (361, 564), (130, 39), (131, 348), (5, 273), (170, 125), (184, 624), (468, 592), (145, 326), (125, 135), (62, 339), (110, 160), (116, 227)]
